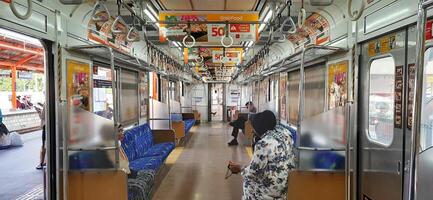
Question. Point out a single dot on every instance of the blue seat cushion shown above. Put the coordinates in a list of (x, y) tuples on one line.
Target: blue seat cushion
[(162, 149), (176, 117), (146, 163), (137, 141), (189, 123)]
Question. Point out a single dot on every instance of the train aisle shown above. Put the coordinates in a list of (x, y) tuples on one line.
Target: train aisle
[(199, 171)]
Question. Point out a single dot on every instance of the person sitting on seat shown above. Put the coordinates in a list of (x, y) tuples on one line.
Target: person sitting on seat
[(266, 175), (239, 123)]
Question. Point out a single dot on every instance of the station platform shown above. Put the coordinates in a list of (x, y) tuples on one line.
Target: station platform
[(200, 169), (19, 179)]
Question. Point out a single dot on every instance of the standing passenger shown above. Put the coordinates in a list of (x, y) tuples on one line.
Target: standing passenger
[(239, 123), (266, 175), (41, 112)]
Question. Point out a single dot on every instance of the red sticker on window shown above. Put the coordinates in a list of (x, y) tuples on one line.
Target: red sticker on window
[(428, 30)]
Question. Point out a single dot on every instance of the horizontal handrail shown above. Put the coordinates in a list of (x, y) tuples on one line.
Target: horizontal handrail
[(321, 170), (321, 149), (159, 119), (93, 149)]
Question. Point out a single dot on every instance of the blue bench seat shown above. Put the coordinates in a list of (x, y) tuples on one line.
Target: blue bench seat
[(142, 151), (189, 123)]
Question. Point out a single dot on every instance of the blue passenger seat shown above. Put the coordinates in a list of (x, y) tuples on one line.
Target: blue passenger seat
[(141, 150)]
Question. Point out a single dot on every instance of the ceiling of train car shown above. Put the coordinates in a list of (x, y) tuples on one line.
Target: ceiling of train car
[(219, 5), (207, 68)]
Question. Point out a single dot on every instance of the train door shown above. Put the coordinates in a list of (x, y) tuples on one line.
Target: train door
[(217, 102), (380, 123)]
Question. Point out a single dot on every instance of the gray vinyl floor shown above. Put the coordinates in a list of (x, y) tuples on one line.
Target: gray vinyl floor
[(18, 177), (200, 169)]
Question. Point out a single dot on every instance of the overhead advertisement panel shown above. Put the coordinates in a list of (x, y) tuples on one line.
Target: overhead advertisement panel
[(203, 32), (212, 56)]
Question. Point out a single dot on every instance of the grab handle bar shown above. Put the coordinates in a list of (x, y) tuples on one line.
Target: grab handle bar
[(113, 26), (100, 19), (26, 15), (321, 149), (136, 38)]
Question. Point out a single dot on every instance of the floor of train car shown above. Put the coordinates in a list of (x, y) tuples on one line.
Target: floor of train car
[(198, 170), (19, 179)]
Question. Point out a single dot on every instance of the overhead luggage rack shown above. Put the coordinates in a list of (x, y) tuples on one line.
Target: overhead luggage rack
[(309, 54), (108, 53)]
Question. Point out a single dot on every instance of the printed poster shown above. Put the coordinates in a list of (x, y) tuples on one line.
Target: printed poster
[(411, 97), (100, 32), (203, 32), (283, 91), (78, 84), (337, 84), (398, 100)]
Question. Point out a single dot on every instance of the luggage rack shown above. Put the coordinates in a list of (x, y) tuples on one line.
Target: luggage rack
[(110, 54), (309, 54)]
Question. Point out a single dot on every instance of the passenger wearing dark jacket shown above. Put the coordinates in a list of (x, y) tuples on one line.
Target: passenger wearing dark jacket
[(239, 123)]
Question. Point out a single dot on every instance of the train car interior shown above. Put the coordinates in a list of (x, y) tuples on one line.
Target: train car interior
[(216, 99)]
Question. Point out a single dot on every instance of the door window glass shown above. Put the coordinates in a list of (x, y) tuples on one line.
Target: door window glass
[(426, 140), (381, 101), (129, 92), (293, 79), (314, 90)]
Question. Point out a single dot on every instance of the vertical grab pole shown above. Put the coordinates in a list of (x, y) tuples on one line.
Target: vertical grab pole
[(115, 81), (301, 101), (348, 147), (419, 73)]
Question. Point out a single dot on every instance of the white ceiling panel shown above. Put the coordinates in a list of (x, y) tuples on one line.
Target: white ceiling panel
[(233, 5), (244, 5), (208, 4), (176, 4)]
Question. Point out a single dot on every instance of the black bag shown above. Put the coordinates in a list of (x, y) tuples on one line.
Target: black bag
[(3, 129)]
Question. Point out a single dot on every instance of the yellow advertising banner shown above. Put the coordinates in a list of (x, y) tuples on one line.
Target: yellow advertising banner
[(337, 84), (208, 32), (382, 45), (78, 83)]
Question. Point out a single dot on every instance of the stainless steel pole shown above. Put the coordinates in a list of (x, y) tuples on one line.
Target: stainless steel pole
[(419, 76)]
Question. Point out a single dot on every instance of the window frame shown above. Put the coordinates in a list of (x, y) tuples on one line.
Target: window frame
[(367, 131)]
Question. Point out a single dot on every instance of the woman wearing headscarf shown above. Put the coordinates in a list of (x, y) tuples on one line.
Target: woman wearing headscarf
[(266, 175)]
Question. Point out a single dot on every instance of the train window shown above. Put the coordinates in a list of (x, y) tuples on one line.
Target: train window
[(426, 140), (129, 97), (293, 87), (381, 101), (270, 91), (182, 93), (102, 92), (314, 90)]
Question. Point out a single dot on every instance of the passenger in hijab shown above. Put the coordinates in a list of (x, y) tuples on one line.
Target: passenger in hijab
[(266, 176)]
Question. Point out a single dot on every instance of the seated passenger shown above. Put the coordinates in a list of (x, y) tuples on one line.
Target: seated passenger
[(239, 123), (266, 175)]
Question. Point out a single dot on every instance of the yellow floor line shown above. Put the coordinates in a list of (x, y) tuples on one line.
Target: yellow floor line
[(249, 151), (174, 155)]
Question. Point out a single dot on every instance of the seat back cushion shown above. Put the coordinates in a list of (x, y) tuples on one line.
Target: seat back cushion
[(189, 123), (144, 141), (176, 117), (137, 141)]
